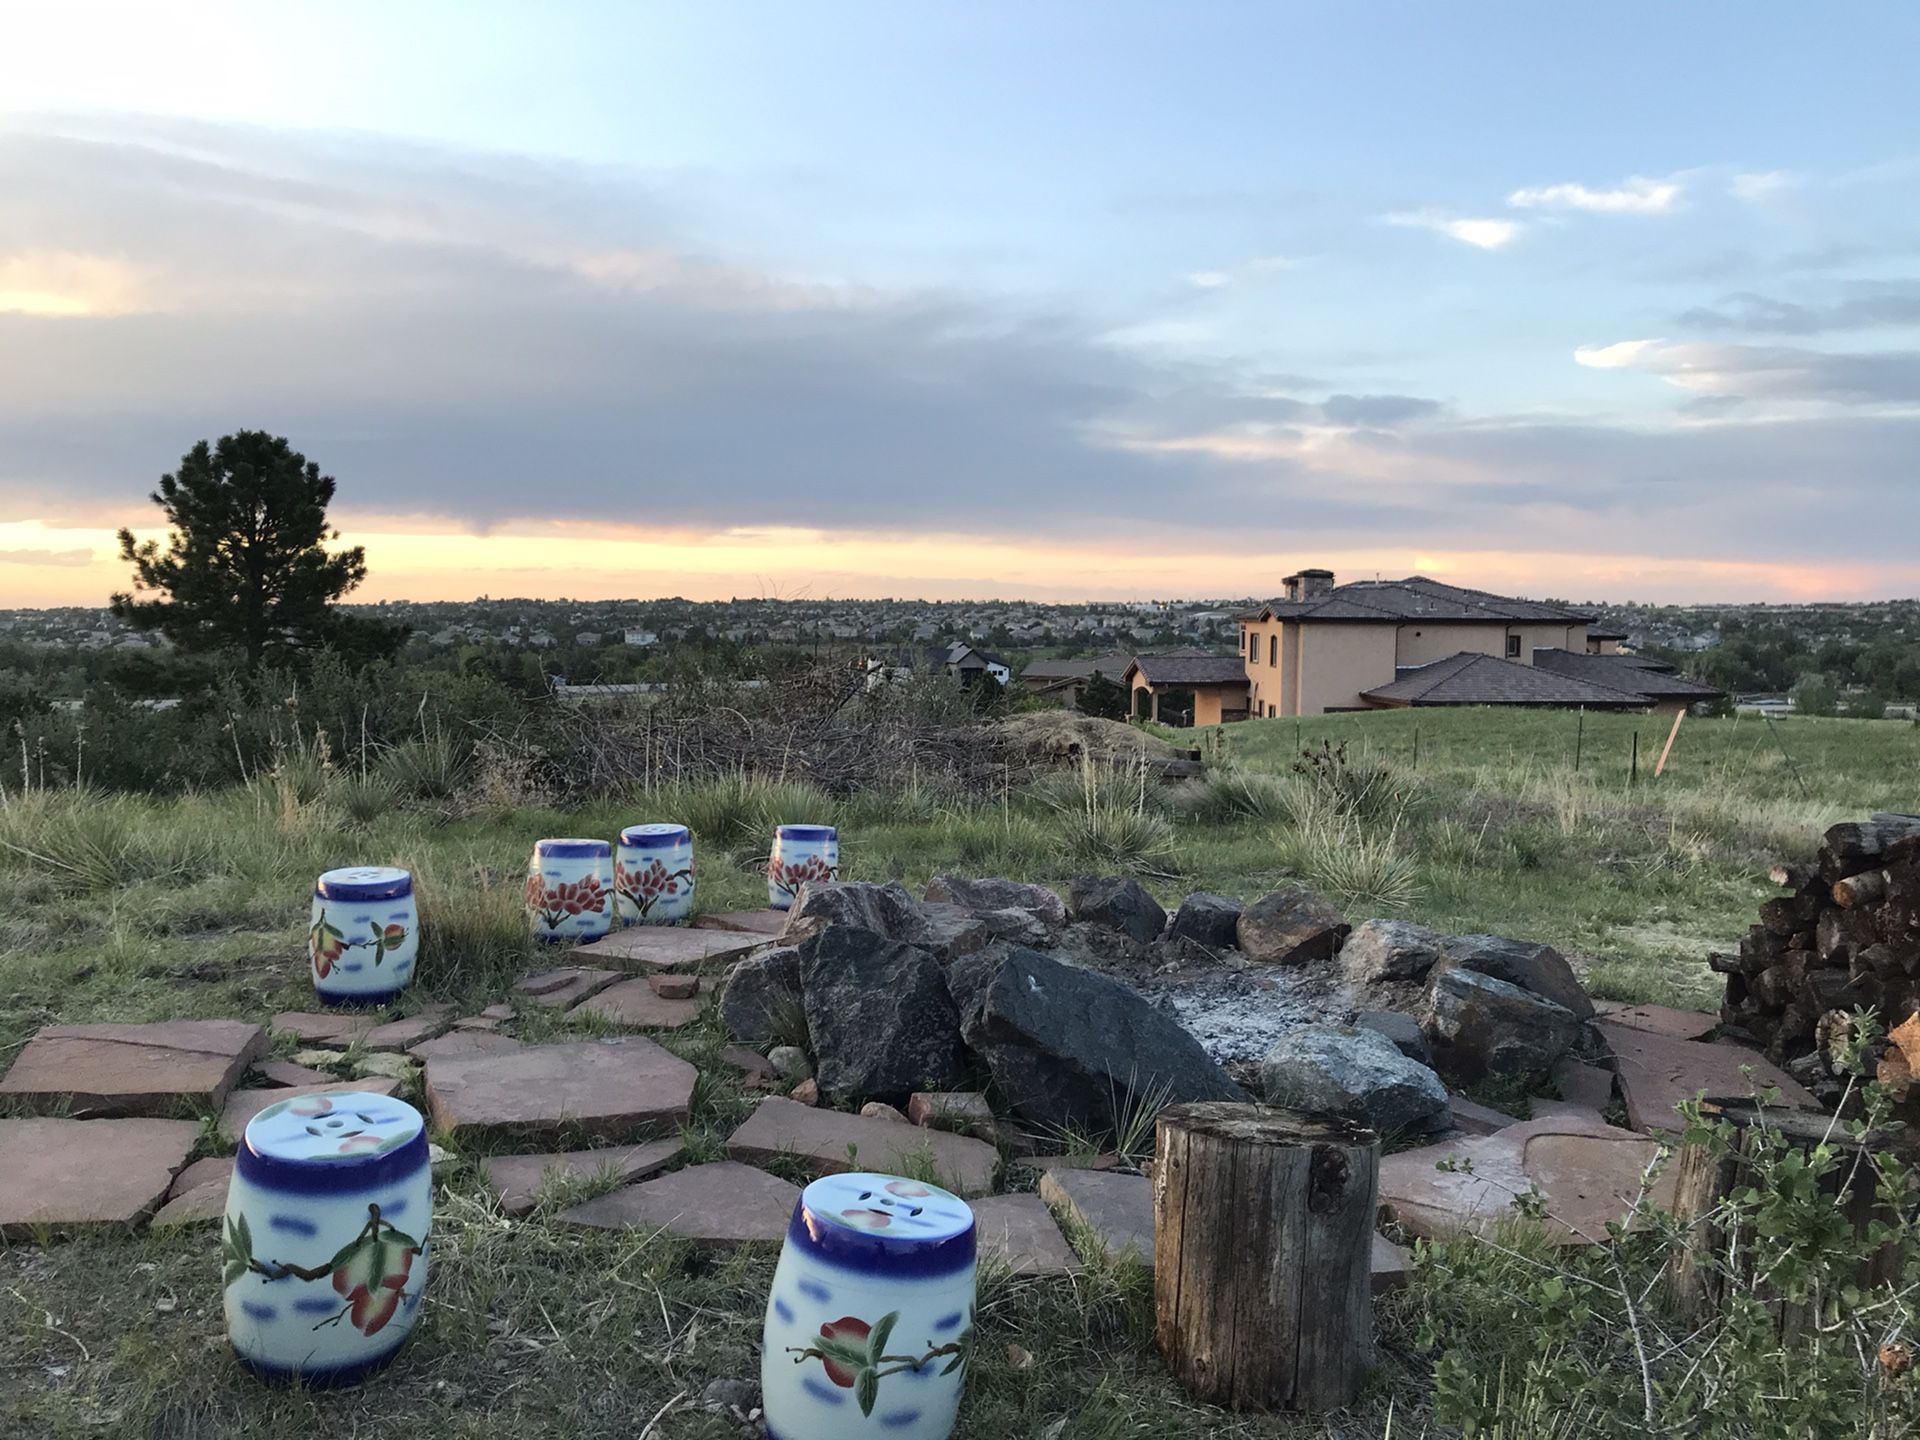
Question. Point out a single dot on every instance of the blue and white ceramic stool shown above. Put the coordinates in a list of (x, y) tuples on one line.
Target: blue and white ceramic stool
[(570, 889), (653, 875), (870, 1325), (326, 1234), (802, 854), (364, 936)]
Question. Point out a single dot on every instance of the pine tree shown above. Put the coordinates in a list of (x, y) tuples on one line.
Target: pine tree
[(246, 566)]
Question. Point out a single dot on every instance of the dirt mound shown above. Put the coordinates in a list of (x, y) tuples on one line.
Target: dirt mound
[(1057, 738)]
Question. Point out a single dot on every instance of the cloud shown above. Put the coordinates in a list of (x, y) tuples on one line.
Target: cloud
[(1482, 234), (46, 557), (1617, 356), (1760, 184), (1376, 410), (1866, 305), (1762, 372), (1634, 196), (483, 344), (1247, 270)]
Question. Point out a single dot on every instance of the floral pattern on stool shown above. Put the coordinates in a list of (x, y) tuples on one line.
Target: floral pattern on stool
[(570, 889), (802, 855), (325, 1239), (364, 935), (870, 1324), (653, 875)]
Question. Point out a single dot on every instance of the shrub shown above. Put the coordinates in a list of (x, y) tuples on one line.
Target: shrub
[(432, 766)]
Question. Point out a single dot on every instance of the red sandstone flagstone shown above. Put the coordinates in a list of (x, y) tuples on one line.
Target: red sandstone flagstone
[(1018, 1231), (557, 989), (466, 1042), (518, 1179), (624, 1089), (324, 1027), (669, 986), (198, 1194), (405, 1034), (820, 1141), (748, 922), (720, 1206), (1587, 1172), (68, 1175), (964, 1111), (87, 1071), (1657, 1072), (1659, 1019), (666, 947), (1116, 1207), (285, 1072), (634, 1003)]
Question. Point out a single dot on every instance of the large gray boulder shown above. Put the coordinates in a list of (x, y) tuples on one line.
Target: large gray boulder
[(888, 910), (1207, 919), (881, 1020), (1539, 969), (1291, 926), (1478, 1026), (1038, 901), (1402, 1029), (1358, 1074), (1119, 902), (762, 999), (1390, 950), (1071, 1047)]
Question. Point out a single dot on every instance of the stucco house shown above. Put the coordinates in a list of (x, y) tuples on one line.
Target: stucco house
[(1373, 644)]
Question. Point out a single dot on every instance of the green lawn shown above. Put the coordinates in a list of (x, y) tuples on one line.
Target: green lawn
[(132, 909)]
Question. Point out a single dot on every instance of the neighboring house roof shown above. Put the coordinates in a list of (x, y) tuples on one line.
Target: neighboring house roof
[(1417, 598), (1623, 672), (1595, 632), (1112, 666), (1470, 678), (1189, 669)]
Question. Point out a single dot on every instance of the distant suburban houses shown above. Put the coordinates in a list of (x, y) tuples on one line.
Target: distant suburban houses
[(1322, 648)]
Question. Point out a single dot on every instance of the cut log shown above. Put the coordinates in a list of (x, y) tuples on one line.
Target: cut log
[(1720, 1257), (1857, 890), (1263, 1237)]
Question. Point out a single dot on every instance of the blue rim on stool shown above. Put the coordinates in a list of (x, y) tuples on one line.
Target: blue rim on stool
[(805, 832), (573, 849), (655, 837), (362, 883)]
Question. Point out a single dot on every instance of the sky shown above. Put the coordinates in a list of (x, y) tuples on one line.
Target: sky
[(1049, 300)]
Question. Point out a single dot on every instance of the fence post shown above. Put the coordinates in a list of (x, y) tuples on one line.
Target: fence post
[(1633, 773), (1579, 738)]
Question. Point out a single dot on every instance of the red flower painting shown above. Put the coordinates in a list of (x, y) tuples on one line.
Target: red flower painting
[(791, 876), (645, 886), (556, 903)]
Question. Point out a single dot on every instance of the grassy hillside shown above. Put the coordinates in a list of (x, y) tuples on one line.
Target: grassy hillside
[(122, 908)]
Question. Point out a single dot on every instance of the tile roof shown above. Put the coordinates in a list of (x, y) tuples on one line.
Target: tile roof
[(1470, 678), (1112, 666), (1190, 669), (1623, 672), (1418, 598)]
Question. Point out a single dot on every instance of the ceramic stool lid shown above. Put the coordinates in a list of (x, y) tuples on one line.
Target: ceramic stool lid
[(883, 1226), (804, 832), (365, 882), (653, 836), (563, 849), (332, 1141)]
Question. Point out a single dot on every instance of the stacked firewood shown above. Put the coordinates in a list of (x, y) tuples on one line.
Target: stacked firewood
[(1844, 936)]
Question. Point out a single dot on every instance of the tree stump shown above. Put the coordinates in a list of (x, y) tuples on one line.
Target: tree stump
[(1719, 1257), (1263, 1248)]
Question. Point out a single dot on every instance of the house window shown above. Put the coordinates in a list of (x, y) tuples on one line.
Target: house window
[(1273, 650), (1253, 646), (1513, 647)]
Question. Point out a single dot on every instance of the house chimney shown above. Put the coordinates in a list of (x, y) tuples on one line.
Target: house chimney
[(1309, 584)]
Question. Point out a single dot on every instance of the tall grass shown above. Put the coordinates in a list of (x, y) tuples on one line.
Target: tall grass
[(1107, 818)]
